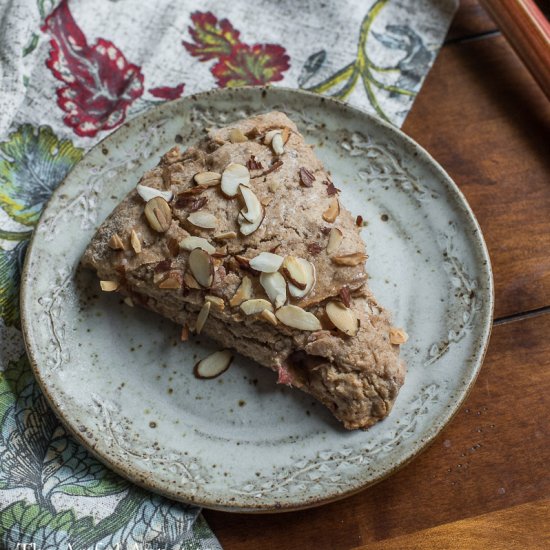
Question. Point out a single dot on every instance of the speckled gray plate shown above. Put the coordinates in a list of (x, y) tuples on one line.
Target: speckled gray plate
[(123, 383)]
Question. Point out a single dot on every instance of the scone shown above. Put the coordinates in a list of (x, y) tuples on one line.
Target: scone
[(244, 238)]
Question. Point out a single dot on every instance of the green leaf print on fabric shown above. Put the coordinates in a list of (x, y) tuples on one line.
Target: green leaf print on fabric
[(11, 263), (33, 161)]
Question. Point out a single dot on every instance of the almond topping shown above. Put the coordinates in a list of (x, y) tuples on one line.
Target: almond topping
[(207, 178), (343, 318), (247, 228), (217, 303), (294, 271), (233, 176), (266, 200), (335, 239), (236, 136), (331, 213), (254, 210), (353, 259), (251, 307), (190, 243), (345, 295), (148, 193), (309, 269), (277, 144), (244, 292), (398, 336), (266, 262), (274, 285), (306, 177), (115, 242), (128, 301), (108, 286), (213, 365), (201, 266), (205, 220), (296, 317), (172, 281), (190, 281), (269, 316), (158, 214), (225, 236), (202, 316), (135, 242)]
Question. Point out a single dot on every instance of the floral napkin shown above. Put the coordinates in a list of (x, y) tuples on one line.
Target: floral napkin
[(73, 71)]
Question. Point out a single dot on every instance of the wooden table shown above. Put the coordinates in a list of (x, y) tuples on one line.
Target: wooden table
[(485, 482)]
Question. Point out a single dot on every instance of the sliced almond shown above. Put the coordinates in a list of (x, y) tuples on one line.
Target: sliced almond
[(184, 336), (148, 193), (335, 238), (217, 302), (203, 219), (207, 179), (398, 336), (213, 365), (296, 317), (115, 242), (284, 132), (244, 292), (252, 307), (266, 262), (128, 301), (266, 200), (225, 236), (202, 316), (343, 318), (190, 281), (274, 285), (201, 266), (236, 136), (108, 286), (331, 213), (233, 176), (311, 278), (269, 316), (158, 214), (253, 207), (173, 280), (247, 228), (294, 272), (356, 258), (190, 243), (135, 242), (277, 144)]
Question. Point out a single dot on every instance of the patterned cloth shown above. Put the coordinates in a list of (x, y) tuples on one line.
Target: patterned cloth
[(71, 72)]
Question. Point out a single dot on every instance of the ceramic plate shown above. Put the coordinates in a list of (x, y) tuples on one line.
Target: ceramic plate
[(123, 384)]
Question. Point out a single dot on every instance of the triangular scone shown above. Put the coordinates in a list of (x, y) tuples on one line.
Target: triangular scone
[(190, 243)]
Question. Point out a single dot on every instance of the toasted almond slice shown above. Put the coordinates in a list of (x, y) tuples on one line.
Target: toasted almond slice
[(398, 336), (244, 292), (128, 301), (274, 285), (353, 259), (253, 207), (158, 214), (294, 272), (236, 136), (201, 266), (296, 317), (311, 278), (190, 281), (184, 333), (266, 262), (213, 365), (217, 303), (277, 144), (225, 236), (208, 179), (173, 281), (233, 176), (115, 242), (251, 307), (190, 243), (269, 316), (135, 242), (108, 286), (203, 219), (331, 213), (148, 193), (343, 318), (335, 239), (269, 136), (202, 316), (247, 228)]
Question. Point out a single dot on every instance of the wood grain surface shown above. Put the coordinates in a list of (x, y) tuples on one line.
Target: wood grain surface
[(483, 117)]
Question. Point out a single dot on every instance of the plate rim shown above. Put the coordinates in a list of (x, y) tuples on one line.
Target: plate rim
[(124, 469)]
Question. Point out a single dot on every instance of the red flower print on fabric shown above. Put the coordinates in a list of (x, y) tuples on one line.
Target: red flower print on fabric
[(238, 64), (167, 92), (100, 84)]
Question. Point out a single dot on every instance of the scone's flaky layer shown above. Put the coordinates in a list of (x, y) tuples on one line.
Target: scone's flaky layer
[(355, 372)]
